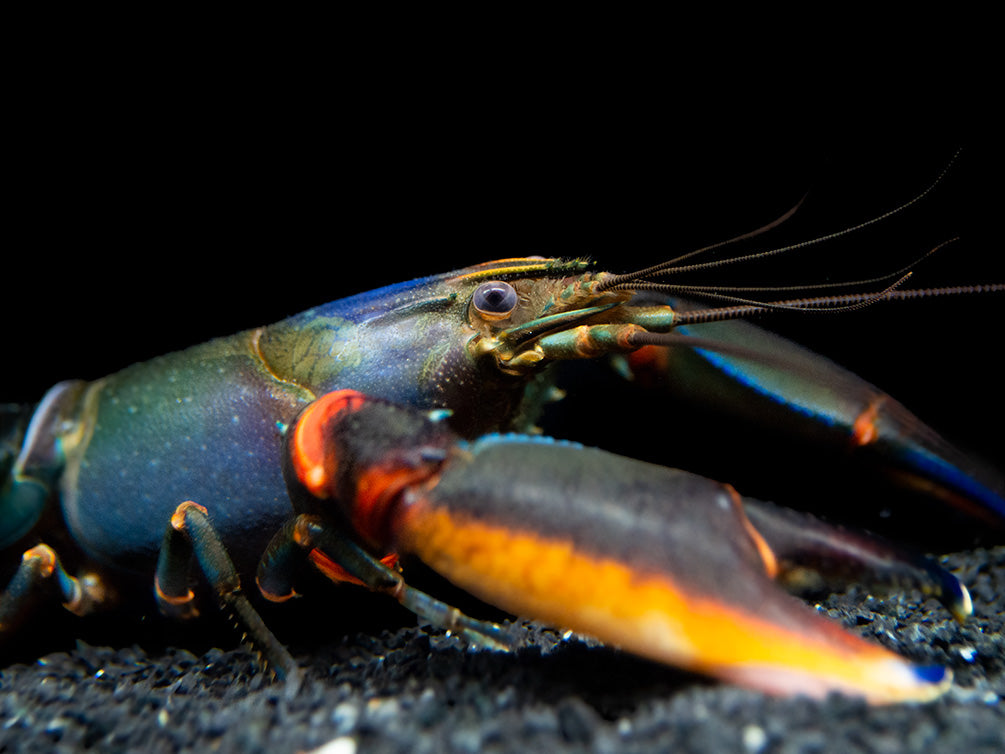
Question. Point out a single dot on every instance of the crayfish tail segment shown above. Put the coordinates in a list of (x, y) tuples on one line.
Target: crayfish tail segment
[(32, 457), (811, 555)]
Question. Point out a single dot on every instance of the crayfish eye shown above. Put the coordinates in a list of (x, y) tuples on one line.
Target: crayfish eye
[(494, 300)]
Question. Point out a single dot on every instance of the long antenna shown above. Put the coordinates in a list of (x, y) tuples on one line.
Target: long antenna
[(632, 280)]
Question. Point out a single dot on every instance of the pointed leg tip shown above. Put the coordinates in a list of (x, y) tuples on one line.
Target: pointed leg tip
[(952, 593), (962, 607)]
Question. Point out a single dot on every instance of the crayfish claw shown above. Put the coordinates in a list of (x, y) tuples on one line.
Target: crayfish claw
[(812, 555), (659, 562)]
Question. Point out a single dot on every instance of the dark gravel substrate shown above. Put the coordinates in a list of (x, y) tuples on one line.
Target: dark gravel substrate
[(416, 690)]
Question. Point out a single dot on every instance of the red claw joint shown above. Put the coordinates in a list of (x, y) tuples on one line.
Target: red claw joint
[(355, 457)]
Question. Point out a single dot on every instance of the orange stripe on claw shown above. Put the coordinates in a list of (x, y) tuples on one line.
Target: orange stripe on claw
[(652, 615)]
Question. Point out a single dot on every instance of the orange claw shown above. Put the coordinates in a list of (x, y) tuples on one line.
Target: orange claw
[(778, 645)]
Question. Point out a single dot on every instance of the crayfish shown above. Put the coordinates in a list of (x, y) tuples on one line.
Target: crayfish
[(398, 423)]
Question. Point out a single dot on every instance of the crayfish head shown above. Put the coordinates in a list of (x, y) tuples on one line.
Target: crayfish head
[(529, 313)]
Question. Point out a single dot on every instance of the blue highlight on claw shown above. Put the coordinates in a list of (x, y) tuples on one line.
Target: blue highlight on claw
[(931, 673), (745, 378), (919, 460), (929, 465), (508, 438)]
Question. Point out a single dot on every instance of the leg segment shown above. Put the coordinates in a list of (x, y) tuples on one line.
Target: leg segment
[(191, 532), (40, 572), (306, 537)]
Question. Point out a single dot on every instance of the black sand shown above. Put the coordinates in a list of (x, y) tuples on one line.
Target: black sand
[(416, 690)]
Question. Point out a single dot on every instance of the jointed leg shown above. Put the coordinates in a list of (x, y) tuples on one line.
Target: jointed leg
[(41, 571), (306, 537), (191, 531)]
